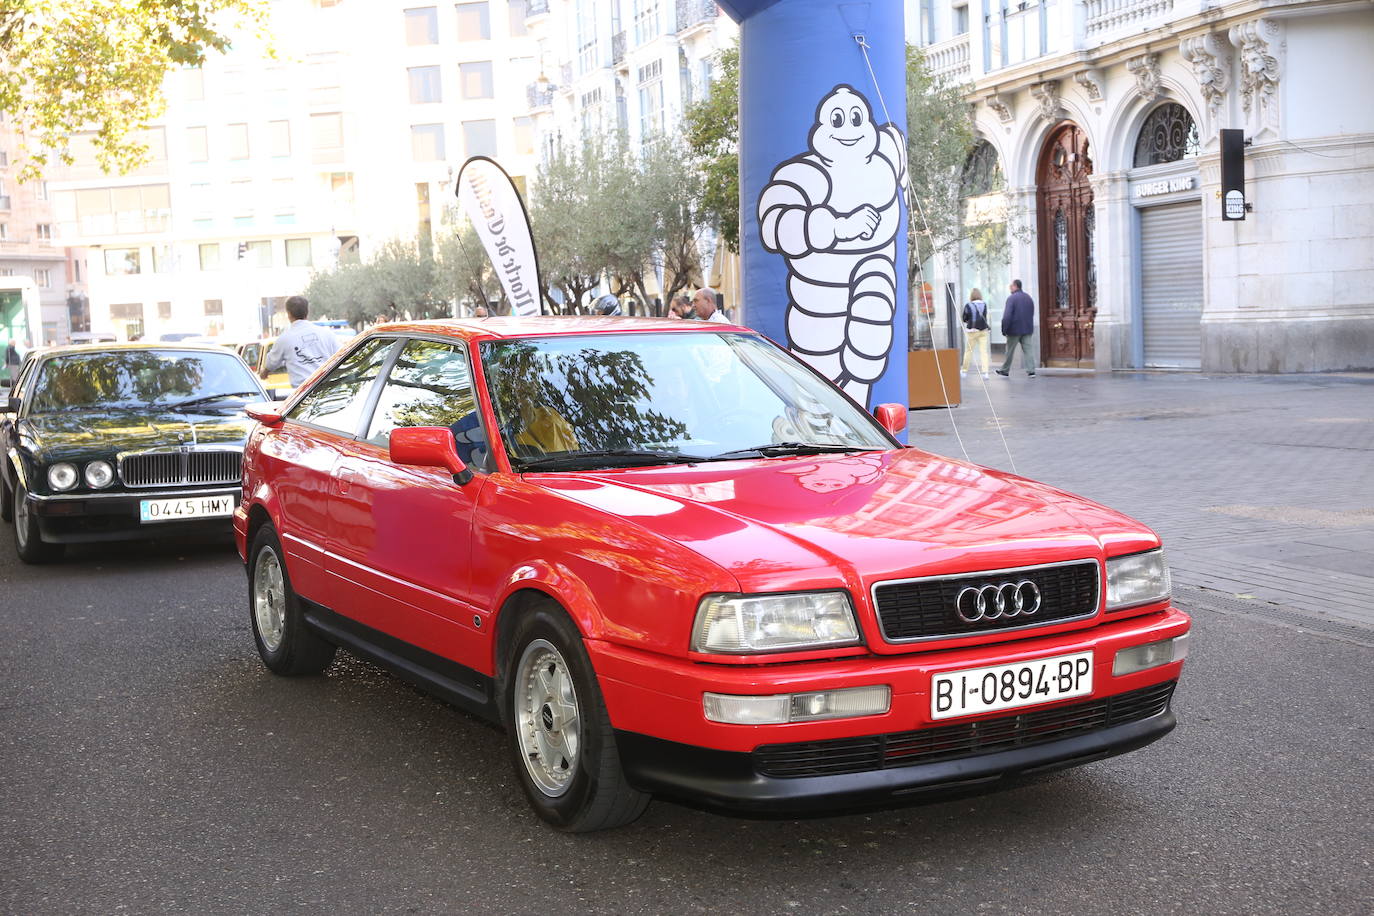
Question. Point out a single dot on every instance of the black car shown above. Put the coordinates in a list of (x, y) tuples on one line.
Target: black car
[(122, 441)]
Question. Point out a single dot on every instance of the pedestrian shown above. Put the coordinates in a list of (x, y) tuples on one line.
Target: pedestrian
[(975, 317), (12, 361), (681, 307), (303, 347), (1018, 324), (704, 301), (480, 312), (607, 305)]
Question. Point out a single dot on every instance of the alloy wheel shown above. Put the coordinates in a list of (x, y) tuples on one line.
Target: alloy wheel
[(547, 719)]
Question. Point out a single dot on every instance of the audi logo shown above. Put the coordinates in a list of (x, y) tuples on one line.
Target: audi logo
[(994, 602)]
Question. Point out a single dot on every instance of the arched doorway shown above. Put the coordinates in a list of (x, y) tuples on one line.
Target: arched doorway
[(1068, 279)]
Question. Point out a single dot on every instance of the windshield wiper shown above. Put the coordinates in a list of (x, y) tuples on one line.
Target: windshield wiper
[(771, 449), (597, 457), (206, 399)]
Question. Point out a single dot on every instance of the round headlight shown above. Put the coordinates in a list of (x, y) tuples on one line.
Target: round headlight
[(62, 476), (99, 474)]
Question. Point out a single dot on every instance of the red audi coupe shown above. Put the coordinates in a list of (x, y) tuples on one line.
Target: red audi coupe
[(672, 559)]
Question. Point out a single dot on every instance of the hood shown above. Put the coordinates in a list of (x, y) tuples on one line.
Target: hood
[(80, 433), (792, 523)]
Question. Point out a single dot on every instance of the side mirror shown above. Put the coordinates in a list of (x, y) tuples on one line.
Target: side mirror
[(264, 413), (428, 447), (12, 404), (891, 417)]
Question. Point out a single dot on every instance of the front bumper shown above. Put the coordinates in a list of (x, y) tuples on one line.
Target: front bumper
[(668, 745), (78, 518)]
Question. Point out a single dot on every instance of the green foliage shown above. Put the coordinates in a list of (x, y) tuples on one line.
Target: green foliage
[(462, 270), (711, 127), (939, 138), (570, 209), (76, 65)]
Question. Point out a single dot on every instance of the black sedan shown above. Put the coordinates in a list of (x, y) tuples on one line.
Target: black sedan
[(123, 441)]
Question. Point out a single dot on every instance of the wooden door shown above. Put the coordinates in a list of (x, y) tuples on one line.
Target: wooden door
[(1068, 279)]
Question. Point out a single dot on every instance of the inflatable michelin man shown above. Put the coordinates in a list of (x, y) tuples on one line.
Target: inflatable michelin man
[(833, 213)]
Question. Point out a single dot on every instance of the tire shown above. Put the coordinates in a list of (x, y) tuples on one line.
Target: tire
[(560, 736), (28, 540), (287, 646)]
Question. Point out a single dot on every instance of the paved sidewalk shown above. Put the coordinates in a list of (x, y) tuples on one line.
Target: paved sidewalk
[(1262, 487)]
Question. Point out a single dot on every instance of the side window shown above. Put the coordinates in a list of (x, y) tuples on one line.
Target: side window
[(250, 355), (430, 385), (337, 401)]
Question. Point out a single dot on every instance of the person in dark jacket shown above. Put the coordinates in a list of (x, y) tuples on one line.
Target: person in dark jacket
[(1018, 324)]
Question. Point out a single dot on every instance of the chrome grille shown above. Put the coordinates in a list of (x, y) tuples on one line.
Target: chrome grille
[(160, 469)]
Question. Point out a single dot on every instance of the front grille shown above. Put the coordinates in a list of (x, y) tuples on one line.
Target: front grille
[(925, 608), (967, 739), (159, 469)]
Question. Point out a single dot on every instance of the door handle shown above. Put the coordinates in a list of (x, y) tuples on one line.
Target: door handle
[(344, 479)]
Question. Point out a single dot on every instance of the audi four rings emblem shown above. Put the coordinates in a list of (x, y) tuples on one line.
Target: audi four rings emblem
[(992, 602)]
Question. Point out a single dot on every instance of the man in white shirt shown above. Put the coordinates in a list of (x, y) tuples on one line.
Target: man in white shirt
[(303, 347), (705, 303)]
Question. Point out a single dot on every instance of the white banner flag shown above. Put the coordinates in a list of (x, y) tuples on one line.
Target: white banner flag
[(492, 203)]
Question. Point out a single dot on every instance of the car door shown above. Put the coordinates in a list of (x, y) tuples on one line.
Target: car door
[(300, 456), (402, 535)]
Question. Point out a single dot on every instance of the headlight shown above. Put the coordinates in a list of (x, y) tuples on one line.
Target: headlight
[(62, 476), (744, 624), (1141, 578), (99, 474)]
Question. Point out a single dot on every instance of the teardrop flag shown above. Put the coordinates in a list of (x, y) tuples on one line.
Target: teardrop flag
[(492, 202)]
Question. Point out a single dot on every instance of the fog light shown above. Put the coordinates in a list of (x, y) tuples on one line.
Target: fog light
[(797, 707), (1150, 655)]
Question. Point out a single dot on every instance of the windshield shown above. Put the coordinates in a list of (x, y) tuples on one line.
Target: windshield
[(142, 378), (654, 398)]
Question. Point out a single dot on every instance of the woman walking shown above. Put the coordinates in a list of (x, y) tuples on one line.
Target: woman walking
[(975, 319)]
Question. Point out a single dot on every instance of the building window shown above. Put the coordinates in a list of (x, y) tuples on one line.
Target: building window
[(238, 141), (479, 138), (193, 84), (279, 134), (121, 262), (43, 277), (42, 191), (518, 10), (982, 172), (209, 256), (162, 259), (524, 136), (298, 253), (284, 201), (6, 271), (427, 142), (127, 311), (341, 188), (648, 23), (4, 157), (1169, 134), (214, 307), (961, 20), (424, 85), (474, 21), (650, 99), (45, 231), (4, 231), (476, 80), (164, 311), (586, 36), (422, 26), (326, 136), (197, 144), (257, 253)]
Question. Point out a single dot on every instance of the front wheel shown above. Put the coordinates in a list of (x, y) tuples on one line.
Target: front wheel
[(560, 735), (28, 540), (286, 644)]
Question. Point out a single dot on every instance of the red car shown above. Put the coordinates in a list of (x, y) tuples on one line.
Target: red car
[(672, 559)]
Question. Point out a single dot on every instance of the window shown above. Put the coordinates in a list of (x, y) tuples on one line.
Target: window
[(524, 136), (323, 78), (338, 400), (279, 136), (4, 230), (430, 385), (518, 10), (479, 138), (164, 311), (200, 197), (43, 277), (424, 85), (242, 196), (422, 26), (586, 36), (284, 201), (341, 188), (238, 141), (4, 157), (650, 99), (326, 135), (197, 144), (209, 256), (298, 253), (6, 271), (45, 231), (961, 20), (42, 191), (121, 262), (163, 259), (193, 84), (1169, 134), (648, 24), (258, 253), (427, 142), (475, 78), (214, 307), (127, 311), (474, 21)]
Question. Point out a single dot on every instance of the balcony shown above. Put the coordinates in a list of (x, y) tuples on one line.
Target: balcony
[(536, 8), (694, 13), (1106, 19), (618, 50), (949, 60), (539, 98)]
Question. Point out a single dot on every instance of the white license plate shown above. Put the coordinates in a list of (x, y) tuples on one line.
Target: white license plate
[(177, 510), (973, 690)]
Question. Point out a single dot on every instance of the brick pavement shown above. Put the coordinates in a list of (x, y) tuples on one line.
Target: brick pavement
[(1262, 487)]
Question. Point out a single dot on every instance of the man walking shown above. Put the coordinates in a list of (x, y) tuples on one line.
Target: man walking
[(705, 304), (303, 347), (1018, 324)]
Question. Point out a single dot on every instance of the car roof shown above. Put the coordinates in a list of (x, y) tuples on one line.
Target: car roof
[(139, 345), (509, 327)]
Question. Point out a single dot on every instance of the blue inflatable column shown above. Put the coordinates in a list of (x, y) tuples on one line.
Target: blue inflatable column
[(823, 185)]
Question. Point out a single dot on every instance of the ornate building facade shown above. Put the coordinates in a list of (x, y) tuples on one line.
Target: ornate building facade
[(1100, 161)]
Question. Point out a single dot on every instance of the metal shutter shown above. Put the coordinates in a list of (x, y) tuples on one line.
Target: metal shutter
[(1171, 285)]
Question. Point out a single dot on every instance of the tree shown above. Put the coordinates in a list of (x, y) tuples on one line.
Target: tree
[(569, 211), (99, 65), (711, 127), (672, 190), (463, 271)]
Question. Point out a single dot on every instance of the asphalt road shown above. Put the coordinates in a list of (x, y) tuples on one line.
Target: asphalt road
[(150, 764)]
